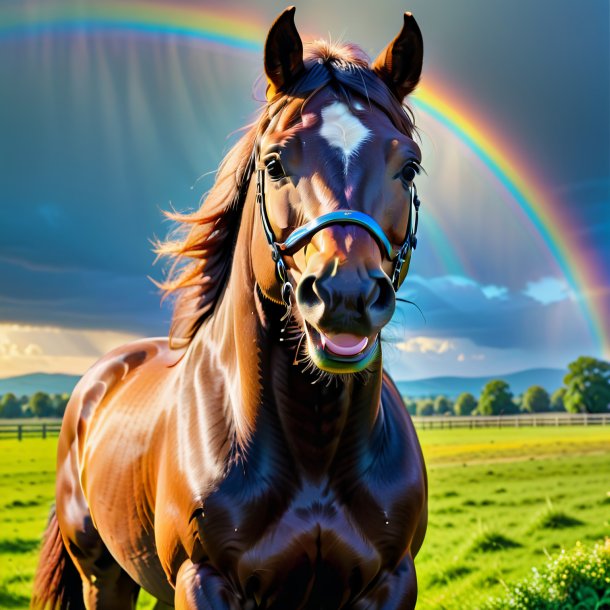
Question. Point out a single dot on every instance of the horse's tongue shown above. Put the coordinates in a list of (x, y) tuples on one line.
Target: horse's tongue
[(344, 344)]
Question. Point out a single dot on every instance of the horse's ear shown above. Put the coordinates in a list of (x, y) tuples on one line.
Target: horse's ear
[(283, 53), (399, 64)]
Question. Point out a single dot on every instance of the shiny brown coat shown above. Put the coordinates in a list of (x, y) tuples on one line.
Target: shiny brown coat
[(224, 472)]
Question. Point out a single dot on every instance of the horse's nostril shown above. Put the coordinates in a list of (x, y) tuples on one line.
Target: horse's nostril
[(382, 297), (306, 294), (373, 294)]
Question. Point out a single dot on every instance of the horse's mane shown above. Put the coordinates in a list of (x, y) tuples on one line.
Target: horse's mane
[(201, 247)]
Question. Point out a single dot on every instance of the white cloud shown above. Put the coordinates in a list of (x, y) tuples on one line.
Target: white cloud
[(494, 292), (547, 290), (48, 349), (426, 344)]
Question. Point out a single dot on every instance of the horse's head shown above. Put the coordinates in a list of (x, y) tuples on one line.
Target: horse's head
[(335, 170)]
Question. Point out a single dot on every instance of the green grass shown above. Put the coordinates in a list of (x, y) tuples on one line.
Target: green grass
[(499, 499), (27, 477)]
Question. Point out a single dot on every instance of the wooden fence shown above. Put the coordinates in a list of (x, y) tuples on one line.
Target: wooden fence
[(511, 421), (35, 429)]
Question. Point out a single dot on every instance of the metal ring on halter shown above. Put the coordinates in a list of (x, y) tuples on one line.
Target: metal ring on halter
[(287, 291), (399, 262)]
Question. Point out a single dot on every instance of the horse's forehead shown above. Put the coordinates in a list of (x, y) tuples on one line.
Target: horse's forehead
[(342, 129)]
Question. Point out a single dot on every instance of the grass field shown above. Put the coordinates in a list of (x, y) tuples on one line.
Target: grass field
[(499, 500)]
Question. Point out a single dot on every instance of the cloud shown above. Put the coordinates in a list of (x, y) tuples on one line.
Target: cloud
[(495, 292), (547, 290), (79, 297), (494, 316), (47, 349), (9, 349), (419, 357), (426, 344)]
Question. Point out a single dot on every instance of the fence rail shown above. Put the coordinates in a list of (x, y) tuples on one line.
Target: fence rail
[(30, 430), (21, 430), (512, 421)]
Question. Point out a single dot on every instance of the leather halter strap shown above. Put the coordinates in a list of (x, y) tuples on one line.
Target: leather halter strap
[(302, 235), (299, 237)]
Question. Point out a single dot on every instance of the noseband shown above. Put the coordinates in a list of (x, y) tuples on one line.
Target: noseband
[(302, 235)]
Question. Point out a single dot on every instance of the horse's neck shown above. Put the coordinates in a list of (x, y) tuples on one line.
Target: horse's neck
[(262, 392), (323, 423)]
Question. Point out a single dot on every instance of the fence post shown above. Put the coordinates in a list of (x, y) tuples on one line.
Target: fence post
[(44, 431), (19, 432)]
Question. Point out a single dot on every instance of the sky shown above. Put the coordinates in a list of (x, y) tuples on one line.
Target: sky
[(112, 113)]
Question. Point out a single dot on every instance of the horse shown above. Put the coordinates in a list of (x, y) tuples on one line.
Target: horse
[(260, 456)]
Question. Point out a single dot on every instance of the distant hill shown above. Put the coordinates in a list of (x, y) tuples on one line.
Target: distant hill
[(38, 382), (549, 379)]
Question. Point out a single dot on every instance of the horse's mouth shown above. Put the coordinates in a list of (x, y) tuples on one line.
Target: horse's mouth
[(340, 353)]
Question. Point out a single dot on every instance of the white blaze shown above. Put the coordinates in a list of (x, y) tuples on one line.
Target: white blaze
[(341, 129)]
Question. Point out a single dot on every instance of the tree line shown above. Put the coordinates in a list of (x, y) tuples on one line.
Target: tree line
[(39, 404), (586, 389)]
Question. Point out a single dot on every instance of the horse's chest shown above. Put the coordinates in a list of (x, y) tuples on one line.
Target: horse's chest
[(294, 545)]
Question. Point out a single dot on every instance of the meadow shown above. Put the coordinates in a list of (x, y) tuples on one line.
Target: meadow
[(500, 500)]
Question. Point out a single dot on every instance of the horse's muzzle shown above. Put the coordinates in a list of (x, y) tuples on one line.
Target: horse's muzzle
[(344, 308)]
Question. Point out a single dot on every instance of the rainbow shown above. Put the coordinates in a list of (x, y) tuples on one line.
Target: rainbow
[(195, 23), (518, 180)]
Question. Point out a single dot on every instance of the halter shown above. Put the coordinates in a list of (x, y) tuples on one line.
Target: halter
[(302, 235)]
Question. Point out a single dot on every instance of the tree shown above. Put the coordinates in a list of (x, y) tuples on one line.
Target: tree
[(496, 399), (9, 406), (536, 400), (41, 404), (425, 407), (410, 405), (557, 400), (442, 406), (59, 402), (465, 404), (587, 386)]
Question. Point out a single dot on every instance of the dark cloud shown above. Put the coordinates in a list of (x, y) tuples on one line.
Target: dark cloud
[(80, 298)]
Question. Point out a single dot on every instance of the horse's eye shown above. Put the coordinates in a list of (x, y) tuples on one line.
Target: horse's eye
[(409, 171), (274, 168)]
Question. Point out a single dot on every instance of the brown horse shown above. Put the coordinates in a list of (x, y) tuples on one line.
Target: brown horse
[(261, 458)]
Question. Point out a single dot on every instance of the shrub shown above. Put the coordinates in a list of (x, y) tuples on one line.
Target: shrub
[(578, 579)]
